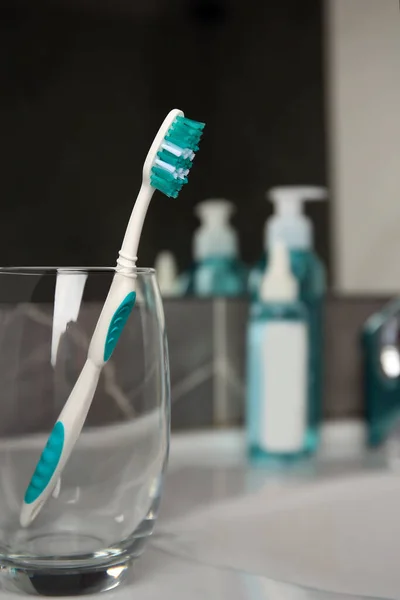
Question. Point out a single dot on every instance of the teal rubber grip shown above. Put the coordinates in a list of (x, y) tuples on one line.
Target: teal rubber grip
[(118, 323), (47, 464)]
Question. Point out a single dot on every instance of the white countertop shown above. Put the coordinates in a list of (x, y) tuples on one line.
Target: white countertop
[(209, 468)]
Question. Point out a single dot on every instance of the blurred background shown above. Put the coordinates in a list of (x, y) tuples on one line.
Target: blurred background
[(306, 88), (85, 85), (293, 92)]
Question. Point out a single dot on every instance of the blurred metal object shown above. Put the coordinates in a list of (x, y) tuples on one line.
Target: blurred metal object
[(381, 354), (389, 347)]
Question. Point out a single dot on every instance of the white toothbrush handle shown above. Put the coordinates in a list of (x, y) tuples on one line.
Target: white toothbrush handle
[(60, 443), (131, 239), (116, 310)]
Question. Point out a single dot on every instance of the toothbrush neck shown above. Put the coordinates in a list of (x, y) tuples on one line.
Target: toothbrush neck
[(128, 253), (125, 263)]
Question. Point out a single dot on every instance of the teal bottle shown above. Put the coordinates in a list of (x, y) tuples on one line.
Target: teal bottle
[(217, 269), (293, 228), (219, 276)]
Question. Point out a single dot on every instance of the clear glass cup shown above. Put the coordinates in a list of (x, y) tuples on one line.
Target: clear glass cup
[(84, 540)]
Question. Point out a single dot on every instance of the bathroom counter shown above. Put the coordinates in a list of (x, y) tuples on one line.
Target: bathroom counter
[(210, 468), (208, 471)]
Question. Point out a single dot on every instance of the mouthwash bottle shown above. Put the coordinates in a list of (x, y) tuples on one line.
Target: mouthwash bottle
[(293, 228), (217, 269)]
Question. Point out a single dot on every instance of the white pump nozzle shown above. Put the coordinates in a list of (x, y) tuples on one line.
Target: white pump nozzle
[(215, 211), (289, 224), (278, 283), (215, 236)]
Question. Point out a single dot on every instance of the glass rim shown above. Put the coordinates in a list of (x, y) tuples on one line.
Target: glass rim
[(140, 271)]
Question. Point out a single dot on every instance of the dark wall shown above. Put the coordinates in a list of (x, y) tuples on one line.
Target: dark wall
[(83, 91)]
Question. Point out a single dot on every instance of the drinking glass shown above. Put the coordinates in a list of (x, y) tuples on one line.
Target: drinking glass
[(84, 540)]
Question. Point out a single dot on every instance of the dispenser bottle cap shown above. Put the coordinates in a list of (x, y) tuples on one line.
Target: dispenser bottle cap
[(167, 273), (215, 237), (278, 283), (289, 224)]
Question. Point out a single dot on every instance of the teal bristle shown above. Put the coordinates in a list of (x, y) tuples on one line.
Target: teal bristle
[(177, 161), (184, 135)]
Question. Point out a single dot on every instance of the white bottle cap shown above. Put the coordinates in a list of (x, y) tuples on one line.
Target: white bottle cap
[(278, 283), (289, 224), (215, 236), (167, 273)]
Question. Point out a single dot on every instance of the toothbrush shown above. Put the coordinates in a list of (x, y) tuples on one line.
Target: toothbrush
[(166, 168)]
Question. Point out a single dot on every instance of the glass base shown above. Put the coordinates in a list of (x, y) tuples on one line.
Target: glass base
[(77, 577), (259, 456)]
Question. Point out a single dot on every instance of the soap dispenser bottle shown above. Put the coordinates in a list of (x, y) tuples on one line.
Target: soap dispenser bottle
[(291, 226), (278, 414), (217, 269)]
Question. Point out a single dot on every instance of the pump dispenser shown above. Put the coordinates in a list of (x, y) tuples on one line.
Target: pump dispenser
[(217, 269), (278, 283), (277, 371), (215, 237), (290, 226)]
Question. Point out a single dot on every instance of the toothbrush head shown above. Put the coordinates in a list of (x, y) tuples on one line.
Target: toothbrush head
[(171, 155)]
